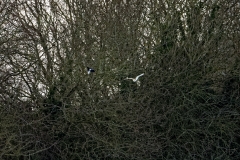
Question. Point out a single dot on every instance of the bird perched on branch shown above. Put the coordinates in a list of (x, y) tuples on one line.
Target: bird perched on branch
[(90, 70), (136, 79)]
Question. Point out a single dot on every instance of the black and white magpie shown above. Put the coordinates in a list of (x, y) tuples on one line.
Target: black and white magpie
[(90, 70)]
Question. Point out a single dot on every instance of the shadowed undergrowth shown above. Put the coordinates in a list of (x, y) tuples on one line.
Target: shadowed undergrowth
[(186, 107)]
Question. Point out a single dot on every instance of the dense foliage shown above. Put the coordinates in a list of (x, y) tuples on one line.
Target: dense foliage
[(186, 106)]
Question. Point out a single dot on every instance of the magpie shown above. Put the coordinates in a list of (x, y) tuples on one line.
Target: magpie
[(90, 70)]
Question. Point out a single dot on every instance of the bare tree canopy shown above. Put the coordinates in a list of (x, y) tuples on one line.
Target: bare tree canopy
[(65, 91)]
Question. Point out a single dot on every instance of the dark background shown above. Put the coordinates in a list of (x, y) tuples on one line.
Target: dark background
[(187, 106)]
